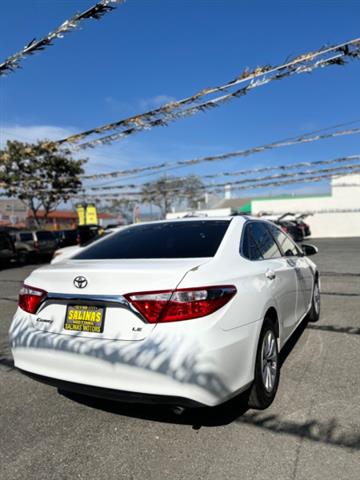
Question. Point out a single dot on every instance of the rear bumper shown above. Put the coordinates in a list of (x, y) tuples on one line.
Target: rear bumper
[(114, 395), (191, 363)]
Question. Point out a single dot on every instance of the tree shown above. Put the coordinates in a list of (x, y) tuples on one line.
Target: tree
[(167, 192), (125, 206), (40, 175)]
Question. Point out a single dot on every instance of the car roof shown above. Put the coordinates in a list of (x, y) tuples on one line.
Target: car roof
[(190, 219)]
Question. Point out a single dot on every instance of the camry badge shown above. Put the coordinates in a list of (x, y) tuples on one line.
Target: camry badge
[(80, 282)]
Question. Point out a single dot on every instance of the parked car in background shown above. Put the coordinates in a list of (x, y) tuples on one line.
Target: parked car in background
[(85, 233), (291, 228), (290, 223), (66, 238), (36, 245), (294, 225), (7, 249), (304, 226)]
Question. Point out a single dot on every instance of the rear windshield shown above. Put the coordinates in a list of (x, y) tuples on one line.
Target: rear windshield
[(190, 239), (45, 236)]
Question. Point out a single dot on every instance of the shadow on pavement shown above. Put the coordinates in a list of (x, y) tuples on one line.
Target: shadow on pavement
[(329, 432), (341, 294), (196, 417), (339, 274), (6, 361), (335, 329)]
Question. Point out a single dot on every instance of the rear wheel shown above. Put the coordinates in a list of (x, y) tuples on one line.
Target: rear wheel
[(267, 369), (314, 313)]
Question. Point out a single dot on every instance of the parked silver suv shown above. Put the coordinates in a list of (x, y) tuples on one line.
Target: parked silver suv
[(38, 245)]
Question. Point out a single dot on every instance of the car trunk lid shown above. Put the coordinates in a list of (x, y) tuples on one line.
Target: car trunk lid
[(106, 282)]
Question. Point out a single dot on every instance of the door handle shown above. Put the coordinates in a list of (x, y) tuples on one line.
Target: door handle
[(270, 274)]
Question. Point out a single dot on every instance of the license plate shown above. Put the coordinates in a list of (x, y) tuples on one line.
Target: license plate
[(84, 318)]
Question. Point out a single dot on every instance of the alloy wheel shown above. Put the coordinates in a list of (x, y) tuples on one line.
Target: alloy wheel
[(269, 361), (317, 298)]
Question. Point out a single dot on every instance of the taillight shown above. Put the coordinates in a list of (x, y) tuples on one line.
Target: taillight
[(36, 245), (30, 298), (181, 304)]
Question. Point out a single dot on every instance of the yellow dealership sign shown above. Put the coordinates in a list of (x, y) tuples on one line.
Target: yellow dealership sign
[(81, 213), (91, 217), (87, 214)]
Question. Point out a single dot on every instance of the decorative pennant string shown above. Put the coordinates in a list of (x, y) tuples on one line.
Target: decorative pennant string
[(162, 116), (95, 12), (313, 178), (245, 172), (326, 172), (306, 138)]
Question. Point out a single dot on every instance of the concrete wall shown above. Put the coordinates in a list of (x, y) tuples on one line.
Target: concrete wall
[(335, 225)]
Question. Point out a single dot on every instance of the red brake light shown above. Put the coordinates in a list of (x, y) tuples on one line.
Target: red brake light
[(30, 298), (181, 304)]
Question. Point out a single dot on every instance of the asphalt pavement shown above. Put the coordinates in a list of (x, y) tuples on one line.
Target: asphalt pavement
[(311, 432)]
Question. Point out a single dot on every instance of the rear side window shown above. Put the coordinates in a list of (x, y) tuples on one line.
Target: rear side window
[(45, 236), (287, 246), (26, 237), (263, 242), (188, 239)]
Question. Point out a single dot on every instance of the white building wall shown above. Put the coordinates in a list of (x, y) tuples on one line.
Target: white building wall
[(337, 215)]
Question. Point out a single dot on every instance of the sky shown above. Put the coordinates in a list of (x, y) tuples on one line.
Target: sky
[(148, 52)]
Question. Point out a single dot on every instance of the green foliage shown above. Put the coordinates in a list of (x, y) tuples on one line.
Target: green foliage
[(169, 191), (40, 175)]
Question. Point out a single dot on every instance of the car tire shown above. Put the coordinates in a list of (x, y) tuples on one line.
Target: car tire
[(267, 369), (314, 313)]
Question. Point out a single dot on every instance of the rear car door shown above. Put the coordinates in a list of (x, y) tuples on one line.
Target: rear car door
[(279, 276), (7, 252), (296, 260)]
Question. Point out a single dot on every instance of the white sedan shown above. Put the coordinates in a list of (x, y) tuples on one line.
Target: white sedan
[(187, 312)]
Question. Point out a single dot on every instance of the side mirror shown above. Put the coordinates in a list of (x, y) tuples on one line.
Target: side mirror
[(309, 249)]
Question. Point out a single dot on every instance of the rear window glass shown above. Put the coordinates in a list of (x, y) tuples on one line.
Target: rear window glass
[(26, 237), (161, 240), (45, 236)]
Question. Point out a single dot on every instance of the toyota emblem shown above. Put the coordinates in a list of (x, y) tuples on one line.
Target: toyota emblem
[(80, 282)]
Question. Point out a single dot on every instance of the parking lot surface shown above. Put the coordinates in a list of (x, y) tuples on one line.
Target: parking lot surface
[(312, 430)]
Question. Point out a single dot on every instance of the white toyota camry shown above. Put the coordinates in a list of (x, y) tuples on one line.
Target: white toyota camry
[(188, 312)]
